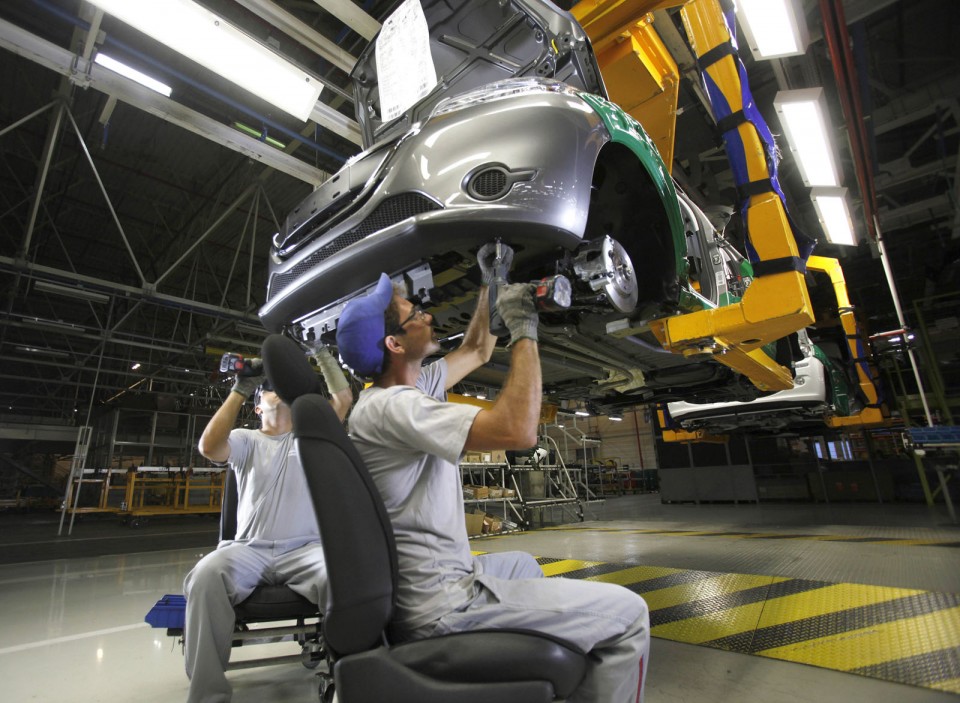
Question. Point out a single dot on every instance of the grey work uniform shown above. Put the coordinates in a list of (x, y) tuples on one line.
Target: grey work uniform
[(411, 441), (277, 543)]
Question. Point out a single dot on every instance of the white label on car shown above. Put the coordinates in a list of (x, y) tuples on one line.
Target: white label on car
[(721, 278), (405, 70)]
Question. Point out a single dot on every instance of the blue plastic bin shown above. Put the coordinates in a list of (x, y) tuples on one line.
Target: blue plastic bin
[(169, 612)]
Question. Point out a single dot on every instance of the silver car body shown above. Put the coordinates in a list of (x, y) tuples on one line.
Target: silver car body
[(515, 142)]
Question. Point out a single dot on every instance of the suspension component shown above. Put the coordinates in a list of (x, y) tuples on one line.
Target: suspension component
[(604, 265)]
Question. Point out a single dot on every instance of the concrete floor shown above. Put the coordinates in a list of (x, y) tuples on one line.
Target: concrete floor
[(71, 622)]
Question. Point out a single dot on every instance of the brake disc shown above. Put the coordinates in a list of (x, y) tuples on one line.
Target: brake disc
[(604, 265)]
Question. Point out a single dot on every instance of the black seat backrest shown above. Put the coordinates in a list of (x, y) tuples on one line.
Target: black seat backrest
[(228, 506), (355, 530)]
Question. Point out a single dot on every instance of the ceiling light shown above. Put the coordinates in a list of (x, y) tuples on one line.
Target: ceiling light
[(133, 74), (804, 118), (43, 352), (257, 134), (481, 396), (773, 28), (615, 418), (245, 328), (211, 41), (831, 206), (70, 291), (135, 366), (55, 324), (582, 413)]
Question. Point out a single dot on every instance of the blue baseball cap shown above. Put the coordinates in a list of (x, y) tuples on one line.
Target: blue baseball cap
[(361, 329)]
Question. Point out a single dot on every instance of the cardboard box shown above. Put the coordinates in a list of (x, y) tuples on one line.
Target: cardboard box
[(492, 524), (495, 492), (490, 457), (509, 493), (474, 523), (479, 492)]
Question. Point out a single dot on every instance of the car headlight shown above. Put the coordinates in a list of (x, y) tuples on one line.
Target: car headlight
[(501, 90)]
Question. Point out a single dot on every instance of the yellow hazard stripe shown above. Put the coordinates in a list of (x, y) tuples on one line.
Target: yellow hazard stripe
[(951, 685), (892, 541), (897, 634), (875, 644), (635, 574), (830, 599), (565, 566)]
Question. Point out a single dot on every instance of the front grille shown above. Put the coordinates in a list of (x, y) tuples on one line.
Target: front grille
[(389, 212), (489, 184)]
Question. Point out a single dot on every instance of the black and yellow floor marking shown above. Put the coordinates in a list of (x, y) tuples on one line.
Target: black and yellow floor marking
[(893, 541), (897, 634)]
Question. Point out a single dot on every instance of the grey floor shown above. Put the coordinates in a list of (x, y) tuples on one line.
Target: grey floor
[(71, 621)]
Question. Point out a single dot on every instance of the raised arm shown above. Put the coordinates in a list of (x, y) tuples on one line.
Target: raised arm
[(513, 420), (341, 397), (477, 346), (213, 442)]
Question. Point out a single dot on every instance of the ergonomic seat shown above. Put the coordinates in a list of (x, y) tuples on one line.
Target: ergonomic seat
[(473, 667), (268, 604)]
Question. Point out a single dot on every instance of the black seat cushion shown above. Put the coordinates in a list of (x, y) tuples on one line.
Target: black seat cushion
[(274, 603), (495, 656)]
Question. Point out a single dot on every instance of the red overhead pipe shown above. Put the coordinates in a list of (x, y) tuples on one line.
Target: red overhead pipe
[(838, 43)]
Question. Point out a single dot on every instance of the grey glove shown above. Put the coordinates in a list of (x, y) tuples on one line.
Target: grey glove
[(518, 310), (246, 385), (332, 373), (490, 266)]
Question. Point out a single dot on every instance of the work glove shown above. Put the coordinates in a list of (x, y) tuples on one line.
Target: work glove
[(491, 267), (518, 311), (332, 373), (245, 383)]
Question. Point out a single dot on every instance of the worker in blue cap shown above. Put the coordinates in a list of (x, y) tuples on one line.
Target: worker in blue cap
[(411, 440)]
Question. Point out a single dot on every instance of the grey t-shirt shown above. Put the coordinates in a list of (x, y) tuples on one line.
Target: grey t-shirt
[(273, 498), (411, 440)]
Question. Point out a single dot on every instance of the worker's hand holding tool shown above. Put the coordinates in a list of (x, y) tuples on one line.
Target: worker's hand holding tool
[(249, 377), (494, 259), (332, 373), (518, 310)]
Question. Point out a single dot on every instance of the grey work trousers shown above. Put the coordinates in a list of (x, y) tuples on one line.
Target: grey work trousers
[(225, 577), (606, 620)]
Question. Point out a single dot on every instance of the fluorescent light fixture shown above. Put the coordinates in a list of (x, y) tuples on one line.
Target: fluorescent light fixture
[(805, 119), (135, 366), (257, 134), (133, 74), (211, 41), (70, 291), (615, 418), (481, 396), (773, 28), (245, 328), (582, 413), (55, 324), (831, 206), (43, 352)]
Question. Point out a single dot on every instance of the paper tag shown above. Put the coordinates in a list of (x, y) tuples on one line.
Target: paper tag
[(405, 70)]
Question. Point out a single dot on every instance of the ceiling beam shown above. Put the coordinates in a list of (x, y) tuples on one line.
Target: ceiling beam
[(302, 32), (352, 16), (89, 75), (147, 293)]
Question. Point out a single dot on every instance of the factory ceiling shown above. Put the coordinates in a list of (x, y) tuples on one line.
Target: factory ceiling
[(134, 229)]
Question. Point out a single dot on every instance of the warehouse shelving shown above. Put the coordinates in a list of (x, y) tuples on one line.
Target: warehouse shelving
[(541, 494), (138, 462)]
